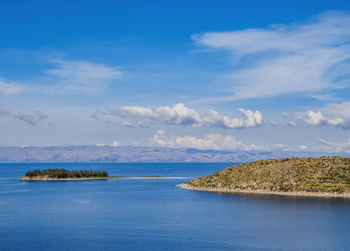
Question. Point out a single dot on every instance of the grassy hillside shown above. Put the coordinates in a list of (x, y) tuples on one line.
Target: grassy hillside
[(325, 174)]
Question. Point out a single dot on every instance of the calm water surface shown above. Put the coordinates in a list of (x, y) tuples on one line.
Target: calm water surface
[(157, 215)]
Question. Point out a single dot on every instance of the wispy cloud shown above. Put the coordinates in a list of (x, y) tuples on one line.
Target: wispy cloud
[(331, 146), (65, 77), (214, 141), (81, 76), (284, 59), (286, 124), (31, 119), (10, 87), (180, 114)]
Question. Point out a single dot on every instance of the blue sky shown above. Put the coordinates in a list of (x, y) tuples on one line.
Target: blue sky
[(258, 75)]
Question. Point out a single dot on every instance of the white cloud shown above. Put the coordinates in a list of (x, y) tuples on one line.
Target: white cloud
[(116, 143), (179, 114), (313, 118), (285, 59), (213, 141), (335, 146), (332, 115), (302, 147), (28, 118), (278, 147), (81, 76)]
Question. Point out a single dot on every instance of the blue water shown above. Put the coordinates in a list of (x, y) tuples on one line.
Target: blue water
[(157, 215)]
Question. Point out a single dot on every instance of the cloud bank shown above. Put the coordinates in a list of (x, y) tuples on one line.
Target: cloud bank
[(214, 141), (285, 59), (179, 114)]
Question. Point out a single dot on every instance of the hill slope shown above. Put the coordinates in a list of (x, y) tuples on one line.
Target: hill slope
[(292, 175)]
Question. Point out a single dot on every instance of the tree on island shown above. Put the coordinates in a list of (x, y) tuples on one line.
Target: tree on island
[(63, 173)]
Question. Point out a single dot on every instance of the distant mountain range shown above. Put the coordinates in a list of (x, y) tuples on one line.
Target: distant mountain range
[(91, 153)]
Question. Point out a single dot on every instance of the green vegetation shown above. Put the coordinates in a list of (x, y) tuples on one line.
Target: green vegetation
[(321, 175), (66, 174)]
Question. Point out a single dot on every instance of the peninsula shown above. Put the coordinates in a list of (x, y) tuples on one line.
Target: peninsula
[(321, 177), (63, 174)]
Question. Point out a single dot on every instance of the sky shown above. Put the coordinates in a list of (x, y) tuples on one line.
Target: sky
[(224, 75)]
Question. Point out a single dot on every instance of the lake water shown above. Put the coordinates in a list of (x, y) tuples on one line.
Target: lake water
[(157, 215)]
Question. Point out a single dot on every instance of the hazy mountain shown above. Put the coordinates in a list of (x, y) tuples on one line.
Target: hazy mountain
[(139, 154)]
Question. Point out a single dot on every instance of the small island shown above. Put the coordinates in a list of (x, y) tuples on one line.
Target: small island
[(63, 174), (320, 177)]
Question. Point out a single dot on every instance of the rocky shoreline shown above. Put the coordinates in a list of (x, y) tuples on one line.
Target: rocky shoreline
[(295, 194), (46, 178)]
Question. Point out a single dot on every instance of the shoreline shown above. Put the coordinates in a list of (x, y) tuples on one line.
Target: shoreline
[(258, 192), (24, 178)]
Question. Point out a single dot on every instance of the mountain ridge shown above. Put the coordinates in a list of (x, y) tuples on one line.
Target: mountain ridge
[(120, 154)]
